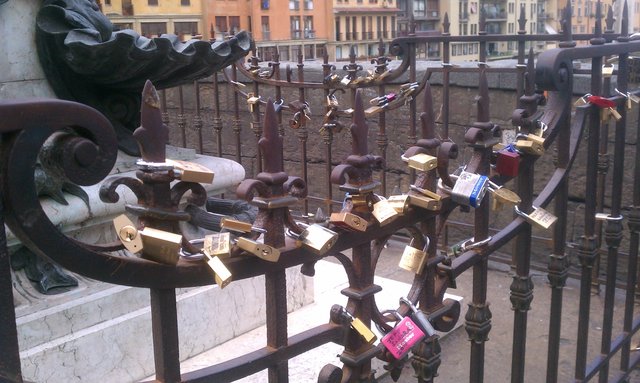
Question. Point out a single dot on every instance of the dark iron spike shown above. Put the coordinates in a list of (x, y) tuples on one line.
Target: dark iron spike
[(530, 82), (567, 34), (325, 57), (598, 26), (412, 24), (428, 120), (624, 23), (381, 47), (609, 20), (152, 135), (300, 55), (522, 20), (352, 54), (483, 98), (482, 24), (271, 141), (446, 24), (359, 128)]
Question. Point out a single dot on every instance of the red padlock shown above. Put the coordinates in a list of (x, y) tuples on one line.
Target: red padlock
[(507, 163), (600, 102)]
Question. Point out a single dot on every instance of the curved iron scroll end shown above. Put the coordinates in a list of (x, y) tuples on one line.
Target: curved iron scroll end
[(296, 187), (152, 135), (271, 141), (359, 128), (249, 188), (340, 173), (198, 195), (108, 193)]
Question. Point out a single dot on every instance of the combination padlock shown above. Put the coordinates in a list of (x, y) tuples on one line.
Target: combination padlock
[(538, 217), (402, 337), (420, 318), (217, 245), (469, 189), (421, 162), (260, 250), (191, 171), (318, 238), (384, 212), (348, 221), (414, 259)]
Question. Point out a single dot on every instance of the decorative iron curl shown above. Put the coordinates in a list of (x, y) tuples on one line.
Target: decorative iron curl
[(198, 195), (108, 188), (296, 187)]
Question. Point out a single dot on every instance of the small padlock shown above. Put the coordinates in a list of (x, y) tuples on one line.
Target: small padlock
[(400, 203), (422, 162), (221, 273), (161, 246), (607, 71), (424, 202), (252, 100), (345, 80), (192, 172), (295, 122), (372, 110), (384, 212), (402, 337), (128, 234), (260, 250), (538, 217), (383, 75), (426, 192), (508, 162), (318, 238), (414, 259), (364, 199), (362, 329), (348, 221), (217, 245), (614, 112), (235, 225), (469, 189), (532, 144), (503, 196), (419, 317)]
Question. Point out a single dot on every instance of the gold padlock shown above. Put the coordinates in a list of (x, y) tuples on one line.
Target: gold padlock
[(192, 172), (364, 331), (614, 112), (348, 221), (424, 202), (538, 217), (383, 75), (607, 71), (530, 146), (422, 162), (426, 192), (252, 100), (161, 246), (384, 212), (400, 203), (372, 110), (364, 199), (235, 225), (318, 238), (221, 273), (128, 234), (414, 259), (503, 196), (217, 245), (260, 250)]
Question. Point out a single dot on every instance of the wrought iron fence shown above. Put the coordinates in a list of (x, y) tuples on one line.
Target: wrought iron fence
[(544, 116)]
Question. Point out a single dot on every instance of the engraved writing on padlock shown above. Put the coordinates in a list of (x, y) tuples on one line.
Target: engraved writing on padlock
[(161, 246), (538, 217), (384, 212), (221, 273), (348, 221), (128, 234), (364, 331), (402, 337), (217, 245), (235, 225), (469, 189), (422, 162), (413, 259), (260, 250), (318, 238), (192, 172), (400, 203)]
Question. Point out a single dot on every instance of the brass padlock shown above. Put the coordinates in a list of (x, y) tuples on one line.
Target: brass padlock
[(235, 225), (252, 100), (607, 71), (400, 203), (260, 250), (503, 196), (383, 75), (538, 217), (372, 110), (221, 273), (192, 172), (348, 221), (384, 212), (422, 162), (161, 246), (128, 234), (217, 245), (426, 192), (424, 202), (364, 199), (532, 144), (614, 112), (362, 329), (414, 259), (318, 238)]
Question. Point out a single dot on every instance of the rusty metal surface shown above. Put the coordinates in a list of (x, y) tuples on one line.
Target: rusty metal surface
[(90, 154)]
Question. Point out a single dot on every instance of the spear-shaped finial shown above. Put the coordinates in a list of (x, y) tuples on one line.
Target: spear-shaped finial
[(567, 33), (530, 80), (482, 24), (522, 20), (483, 98), (152, 135), (597, 30), (609, 20), (624, 23), (359, 128), (271, 141), (446, 24)]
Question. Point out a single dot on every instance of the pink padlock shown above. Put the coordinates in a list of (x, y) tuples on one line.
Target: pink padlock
[(404, 336)]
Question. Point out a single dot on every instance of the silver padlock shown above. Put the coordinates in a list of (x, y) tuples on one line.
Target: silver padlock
[(469, 189)]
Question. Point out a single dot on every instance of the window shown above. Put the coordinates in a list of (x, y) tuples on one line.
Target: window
[(338, 52), (309, 32), (107, 2), (221, 24), (308, 5), (338, 33), (153, 29), (264, 4), (234, 24), (419, 7), (185, 2), (152, 2), (294, 22), (186, 28), (294, 5)]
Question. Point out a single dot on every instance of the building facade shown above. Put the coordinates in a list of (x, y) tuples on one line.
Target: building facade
[(152, 18)]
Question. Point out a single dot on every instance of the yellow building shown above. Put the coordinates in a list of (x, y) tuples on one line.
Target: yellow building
[(152, 18)]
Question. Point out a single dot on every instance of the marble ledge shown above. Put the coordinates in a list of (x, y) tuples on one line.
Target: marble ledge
[(77, 215)]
